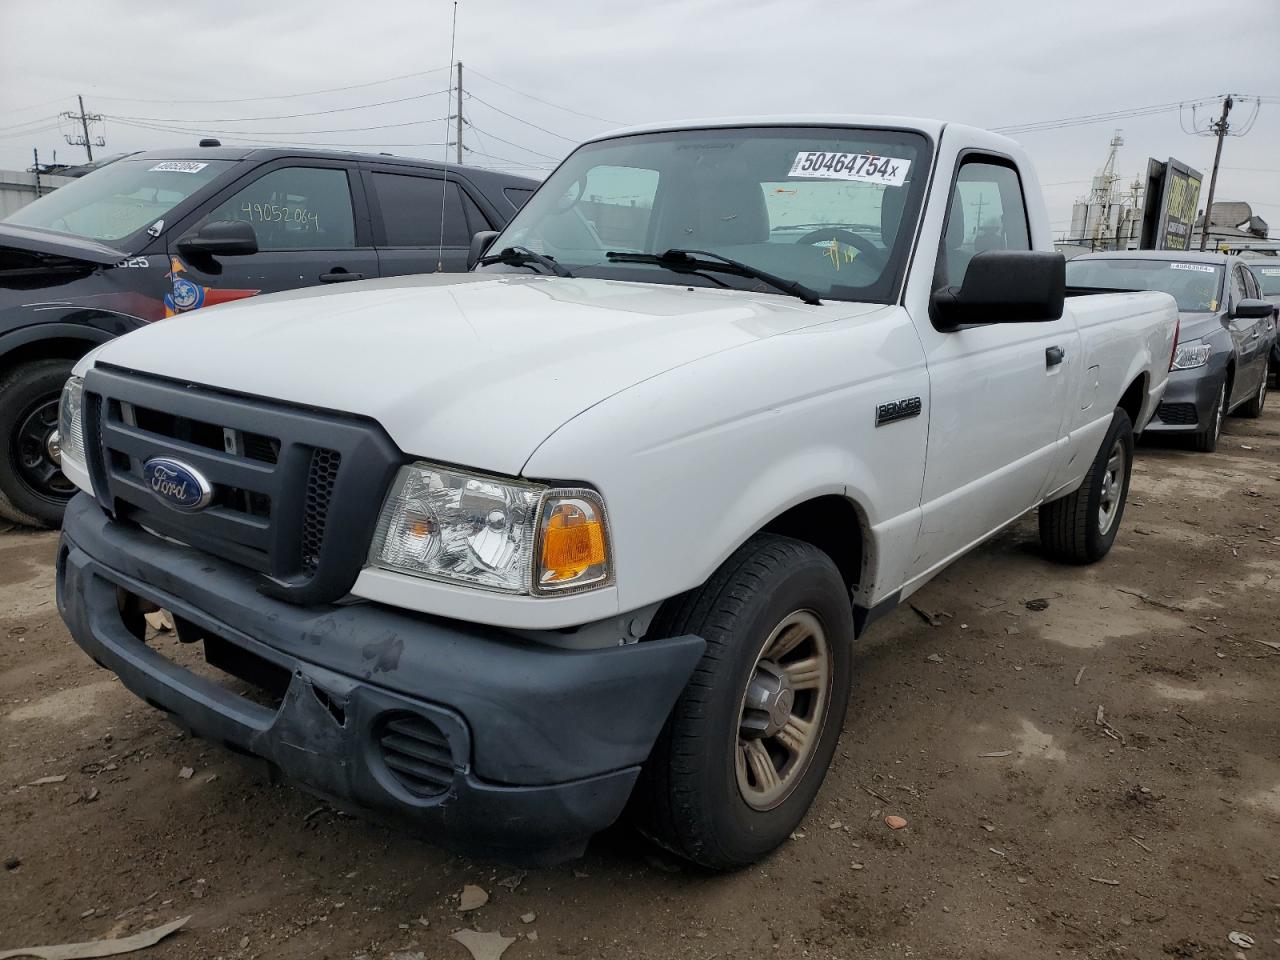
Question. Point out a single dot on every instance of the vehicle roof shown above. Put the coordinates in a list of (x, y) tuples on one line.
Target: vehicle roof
[(932, 127), (1186, 256), (261, 154)]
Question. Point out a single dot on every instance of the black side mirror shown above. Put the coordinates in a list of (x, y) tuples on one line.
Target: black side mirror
[(481, 242), (1252, 309), (1005, 286), (221, 238)]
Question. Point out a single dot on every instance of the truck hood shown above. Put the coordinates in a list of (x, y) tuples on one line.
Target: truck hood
[(466, 369), (27, 240)]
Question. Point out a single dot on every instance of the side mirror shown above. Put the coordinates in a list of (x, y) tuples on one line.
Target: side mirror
[(1251, 309), (1005, 286), (481, 242), (221, 238)]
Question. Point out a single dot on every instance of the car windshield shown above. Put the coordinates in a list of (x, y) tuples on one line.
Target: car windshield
[(831, 208), (1196, 286), (1268, 279), (119, 199)]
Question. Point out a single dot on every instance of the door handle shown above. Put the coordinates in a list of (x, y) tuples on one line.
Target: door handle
[(339, 275), (1054, 356)]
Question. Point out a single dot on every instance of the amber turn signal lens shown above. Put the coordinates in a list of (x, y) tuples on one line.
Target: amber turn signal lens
[(571, 544)]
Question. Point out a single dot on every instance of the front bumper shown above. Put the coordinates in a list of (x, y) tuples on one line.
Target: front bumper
[(541, 745), (1189, 399)]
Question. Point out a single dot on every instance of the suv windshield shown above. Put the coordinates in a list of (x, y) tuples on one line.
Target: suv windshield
[(831, 208), (119, 199), (1196, 286)]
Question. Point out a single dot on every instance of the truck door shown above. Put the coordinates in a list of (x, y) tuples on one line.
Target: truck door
[(998, 392), (411, 231), (310, 231)]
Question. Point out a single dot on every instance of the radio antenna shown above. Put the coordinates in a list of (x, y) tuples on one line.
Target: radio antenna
[(444, 192)]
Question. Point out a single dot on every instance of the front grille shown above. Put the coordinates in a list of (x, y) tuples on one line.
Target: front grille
[(417, 754), (277, 472), (1177, 414), (320, 480)]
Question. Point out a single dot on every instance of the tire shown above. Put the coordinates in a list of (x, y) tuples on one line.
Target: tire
[(1253, 406), (26, 391), (1206, 441), (692, 796), (1081, 527)]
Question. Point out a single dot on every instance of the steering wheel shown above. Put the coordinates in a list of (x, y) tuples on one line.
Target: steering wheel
[(864, 246)]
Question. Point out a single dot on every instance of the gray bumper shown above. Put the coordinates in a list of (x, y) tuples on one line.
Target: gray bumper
[(1188, 402), (540, 746)]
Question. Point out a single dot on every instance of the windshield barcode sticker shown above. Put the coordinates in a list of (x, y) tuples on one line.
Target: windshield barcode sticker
[(178, 166), (1201, 267), (851, 166)]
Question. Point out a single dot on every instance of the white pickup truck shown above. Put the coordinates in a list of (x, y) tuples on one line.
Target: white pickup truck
[(595, 526)]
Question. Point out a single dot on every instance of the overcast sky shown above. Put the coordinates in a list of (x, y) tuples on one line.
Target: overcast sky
[(987, 62)]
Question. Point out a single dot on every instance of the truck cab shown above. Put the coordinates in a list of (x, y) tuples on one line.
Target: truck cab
[(595, 526)]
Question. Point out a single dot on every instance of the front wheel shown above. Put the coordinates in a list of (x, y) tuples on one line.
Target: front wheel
[(1206, 441), (1081, 527), (748, 743), (33, 490)]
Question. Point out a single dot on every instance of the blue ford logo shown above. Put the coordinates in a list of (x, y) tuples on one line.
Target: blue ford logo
[(177, 484)]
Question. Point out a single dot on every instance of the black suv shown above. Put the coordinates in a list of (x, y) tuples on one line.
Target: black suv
[(160, 233)]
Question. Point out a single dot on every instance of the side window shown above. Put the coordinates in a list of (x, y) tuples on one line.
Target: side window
[(987, 212), (1238, 290), (617, 202), (295, 208), (1251, 284), (411, 210)]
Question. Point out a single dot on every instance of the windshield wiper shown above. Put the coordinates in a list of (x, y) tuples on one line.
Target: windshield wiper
[(522, 256), (689, 261)]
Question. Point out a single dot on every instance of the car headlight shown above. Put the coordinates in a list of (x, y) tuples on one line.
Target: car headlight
[(1192, 354), (488, 532), (70, 420)]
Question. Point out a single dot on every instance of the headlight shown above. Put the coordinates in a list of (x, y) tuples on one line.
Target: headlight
[(498, 534), (1192, 354), (70, 426)]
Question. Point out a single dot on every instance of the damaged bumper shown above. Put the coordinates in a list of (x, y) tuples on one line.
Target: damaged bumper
[(462, 733)]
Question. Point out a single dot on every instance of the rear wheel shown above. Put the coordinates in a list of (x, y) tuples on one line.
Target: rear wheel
[(33, 489), (748, 743), (1081, 527), (1206, 441), (1253, 407)]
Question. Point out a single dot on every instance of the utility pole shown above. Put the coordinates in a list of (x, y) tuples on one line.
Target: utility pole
[(460, 113), (1220, 127), (35, 167), (85, 119)]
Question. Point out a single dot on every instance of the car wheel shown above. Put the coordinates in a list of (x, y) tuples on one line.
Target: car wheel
[(1253, 408), (1206, 441), (748, 743), (33, 490), (1082, 526)]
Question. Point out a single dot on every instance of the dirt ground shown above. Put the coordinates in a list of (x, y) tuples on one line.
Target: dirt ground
[(1098, 778)]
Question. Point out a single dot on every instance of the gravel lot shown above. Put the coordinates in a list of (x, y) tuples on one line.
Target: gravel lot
[(1153, 832)]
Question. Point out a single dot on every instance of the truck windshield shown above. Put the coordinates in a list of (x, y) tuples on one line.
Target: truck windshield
[(831, 208), (1196, 286), (120, 199)]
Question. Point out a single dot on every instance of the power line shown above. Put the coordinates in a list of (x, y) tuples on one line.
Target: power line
[(287, 96), (276, 141), (287, 116), (560, 136), (510, 143), (589, 116), (271, 133), (494, 156), (27, 123), (36, 106), (31, 132), (1090, 118)]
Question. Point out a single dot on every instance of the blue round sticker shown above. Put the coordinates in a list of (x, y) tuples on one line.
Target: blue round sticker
[(187, 295)]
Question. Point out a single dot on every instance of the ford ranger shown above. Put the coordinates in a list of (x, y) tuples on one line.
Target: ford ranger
[(592, 528)]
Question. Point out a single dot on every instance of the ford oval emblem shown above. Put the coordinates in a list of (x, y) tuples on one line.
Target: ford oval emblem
[(175, 483)]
